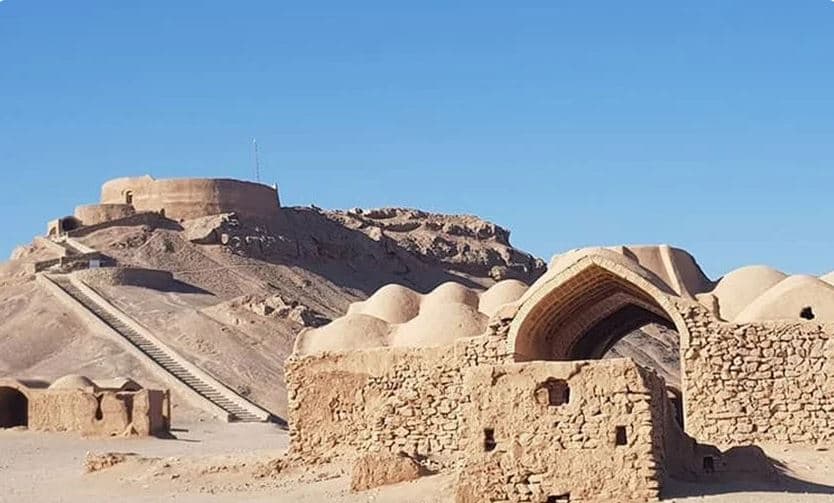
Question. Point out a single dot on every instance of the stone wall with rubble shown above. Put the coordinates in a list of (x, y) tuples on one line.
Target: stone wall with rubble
[(760, 382), (562, 431), (99, 413), (383, 400)]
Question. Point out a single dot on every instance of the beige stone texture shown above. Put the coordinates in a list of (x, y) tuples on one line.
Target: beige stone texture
[(76, 404), (187, 198), (596, 435), (382, 400), (375, 470), (94, 214), (513, 431)]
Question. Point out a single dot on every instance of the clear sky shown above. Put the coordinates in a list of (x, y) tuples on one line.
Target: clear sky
[(705, 124)]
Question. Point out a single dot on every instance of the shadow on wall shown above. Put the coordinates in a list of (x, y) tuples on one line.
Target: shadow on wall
[(742, 469)]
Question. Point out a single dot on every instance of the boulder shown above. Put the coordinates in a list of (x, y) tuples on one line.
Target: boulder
[(380, 469)]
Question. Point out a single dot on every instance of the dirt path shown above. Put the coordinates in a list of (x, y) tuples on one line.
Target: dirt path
[(229, 463)]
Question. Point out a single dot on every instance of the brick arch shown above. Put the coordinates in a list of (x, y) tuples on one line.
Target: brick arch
[(583, 310)]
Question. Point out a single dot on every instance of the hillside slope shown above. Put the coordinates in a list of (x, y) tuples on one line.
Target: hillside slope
[(242, 290)]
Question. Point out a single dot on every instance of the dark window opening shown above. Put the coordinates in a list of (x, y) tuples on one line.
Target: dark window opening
[(676, 399), (489, 439), (553, 392), (620, 436), (68, 224), (709, 464), (807, 313), (129, 197), (99, 413), (562, 498), (14, 408)]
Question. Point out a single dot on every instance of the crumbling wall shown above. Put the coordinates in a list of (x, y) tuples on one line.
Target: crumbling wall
[(562, 431), (93, 214), (384, 399), (759, 382), (99, 413), (127, 276)]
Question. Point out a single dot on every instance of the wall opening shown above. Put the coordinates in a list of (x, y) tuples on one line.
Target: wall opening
[(128, 197), (620, 436), (489, 440), (561, 498), (709, 464), (807, 313), (553, 392), (99, 413), (14, 408)]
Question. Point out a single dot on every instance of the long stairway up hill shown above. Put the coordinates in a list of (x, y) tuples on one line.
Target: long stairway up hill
[(163, 356)]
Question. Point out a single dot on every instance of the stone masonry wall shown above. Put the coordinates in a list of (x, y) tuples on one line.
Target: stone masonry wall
[(763, 382), (525, 438), (385, 399)]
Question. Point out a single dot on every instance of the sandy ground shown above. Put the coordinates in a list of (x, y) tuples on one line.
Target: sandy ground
[(224, 463)]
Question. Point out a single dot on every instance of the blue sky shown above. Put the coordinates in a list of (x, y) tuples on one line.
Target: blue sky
[(708, 125)]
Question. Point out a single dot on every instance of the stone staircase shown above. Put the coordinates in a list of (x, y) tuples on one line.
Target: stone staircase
[(164, 357)]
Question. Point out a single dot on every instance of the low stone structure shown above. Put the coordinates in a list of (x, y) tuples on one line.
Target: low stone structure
[(186, 198), (577, 431), (525, 411), (77, 404), (133, 200)]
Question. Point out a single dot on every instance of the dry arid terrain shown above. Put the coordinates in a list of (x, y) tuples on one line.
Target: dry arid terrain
[(244, 289), (229, 463), (241, 292)]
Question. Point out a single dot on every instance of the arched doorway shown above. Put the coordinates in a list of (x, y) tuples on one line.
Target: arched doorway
[(599, 308), (14, 408)]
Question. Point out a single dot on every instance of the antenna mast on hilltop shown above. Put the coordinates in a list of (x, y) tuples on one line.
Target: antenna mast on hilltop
[(257, 160)]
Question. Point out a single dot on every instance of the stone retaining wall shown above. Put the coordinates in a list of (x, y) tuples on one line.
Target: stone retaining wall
[(386, 399), (562, 431), (762, 382)]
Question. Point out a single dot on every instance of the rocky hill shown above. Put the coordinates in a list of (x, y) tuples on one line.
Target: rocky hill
[(242, 289)]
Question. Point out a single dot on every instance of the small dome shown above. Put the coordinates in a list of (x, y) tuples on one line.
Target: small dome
[(450, 293), (73, 381), (392, 303), (739, 288), (503, 292), (348, 333), (796, 297), (437, 325)]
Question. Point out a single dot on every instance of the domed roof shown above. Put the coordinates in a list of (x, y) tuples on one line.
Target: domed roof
[(392, 303), (439, 324), (503, 292), (795, 297), (739, 288), (450, 293), (350, 332), (73, 381)]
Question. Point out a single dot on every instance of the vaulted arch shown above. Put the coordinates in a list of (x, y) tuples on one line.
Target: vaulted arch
[(578, 313)]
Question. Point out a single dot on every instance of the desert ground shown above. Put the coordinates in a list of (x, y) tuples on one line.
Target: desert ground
[(217, 462)]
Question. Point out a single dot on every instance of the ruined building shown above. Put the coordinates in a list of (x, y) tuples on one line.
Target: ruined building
[(77, 404), (507, 388), (174, 198)]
